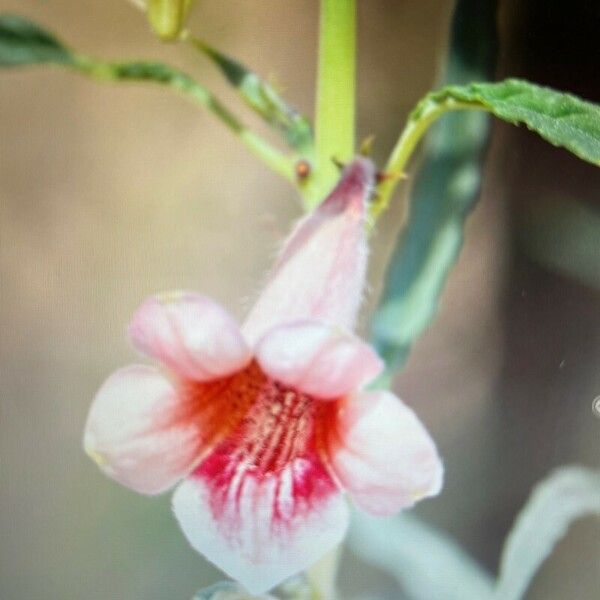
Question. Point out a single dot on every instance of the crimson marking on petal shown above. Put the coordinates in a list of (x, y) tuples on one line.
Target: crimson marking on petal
[(301, 487), (273, 448)]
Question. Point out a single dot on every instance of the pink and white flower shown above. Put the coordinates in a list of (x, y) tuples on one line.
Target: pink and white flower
[(267, 425)]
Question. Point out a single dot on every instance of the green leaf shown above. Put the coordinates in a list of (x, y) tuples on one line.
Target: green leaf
[(23, 43), (262, 98), (448, 182), (560, 118), (426, 563), (568, 494), (445, 190)]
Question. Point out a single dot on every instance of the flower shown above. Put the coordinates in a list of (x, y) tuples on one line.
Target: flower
[(267, 425)]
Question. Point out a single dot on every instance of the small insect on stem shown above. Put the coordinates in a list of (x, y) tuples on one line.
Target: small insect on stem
[(302, 169)]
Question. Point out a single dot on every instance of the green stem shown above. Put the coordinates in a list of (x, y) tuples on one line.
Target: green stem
[(424, 115), (336, 91), (181, 82)]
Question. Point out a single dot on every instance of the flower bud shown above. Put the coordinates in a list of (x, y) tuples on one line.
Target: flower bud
[(167, 17)]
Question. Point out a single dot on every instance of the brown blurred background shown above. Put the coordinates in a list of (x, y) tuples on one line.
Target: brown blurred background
[(110, 193)]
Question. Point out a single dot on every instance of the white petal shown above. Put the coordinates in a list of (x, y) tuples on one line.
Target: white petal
[(260, 529)]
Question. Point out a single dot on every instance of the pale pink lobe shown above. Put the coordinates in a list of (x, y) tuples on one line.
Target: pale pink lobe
[(382, 455), (139, 432), (320, 273), (318, 359), (191, 335), (262, 505)]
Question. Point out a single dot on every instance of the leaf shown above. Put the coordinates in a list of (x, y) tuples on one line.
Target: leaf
[(445, 190), (23, 42), (261, 97), (568, 494), (448, 182), (560, 118), (425, 562)]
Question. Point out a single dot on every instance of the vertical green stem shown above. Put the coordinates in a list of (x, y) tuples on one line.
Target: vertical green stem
[(335, 115), (336, 92)]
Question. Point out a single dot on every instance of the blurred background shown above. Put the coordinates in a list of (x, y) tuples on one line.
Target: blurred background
[(111, 193)]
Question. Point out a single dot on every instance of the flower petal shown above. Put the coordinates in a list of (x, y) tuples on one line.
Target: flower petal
[(260, 528), (317, 359), (383, 456), (190, 334), (137, 431), (320, 273)]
